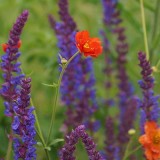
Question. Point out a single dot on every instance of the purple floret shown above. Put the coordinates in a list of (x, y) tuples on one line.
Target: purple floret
[(11, 67), (68, 149), (23, 124), (77, 88), (149, 104)]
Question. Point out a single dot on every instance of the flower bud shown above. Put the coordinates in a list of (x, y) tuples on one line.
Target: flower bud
[(131, 132), (63, 61)]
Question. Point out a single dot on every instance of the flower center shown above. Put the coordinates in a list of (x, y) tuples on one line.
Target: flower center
[(156, 138), (86, 45)]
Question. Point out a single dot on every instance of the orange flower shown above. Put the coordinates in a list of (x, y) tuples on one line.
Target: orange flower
[(89, 46), (5, 45), (151, 141)]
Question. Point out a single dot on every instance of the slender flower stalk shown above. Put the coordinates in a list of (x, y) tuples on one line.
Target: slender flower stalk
[(68, 149), (23, 124), (144, 28), (57, 94), (78, 83)]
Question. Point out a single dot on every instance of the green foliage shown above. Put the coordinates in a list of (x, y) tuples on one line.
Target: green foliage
[(40, 52)]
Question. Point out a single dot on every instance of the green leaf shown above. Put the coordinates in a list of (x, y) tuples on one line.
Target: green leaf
[(130, 18), (147, 6), (55, 141), (156, 41), (48, 148), (39, 143), (50, 85)]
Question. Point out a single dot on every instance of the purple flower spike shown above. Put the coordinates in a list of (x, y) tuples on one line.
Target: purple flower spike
[(112, 21), (78, 81), (68, 149), (23, 124), (149, 104), (10, 67), (16, 31), (110, 148)]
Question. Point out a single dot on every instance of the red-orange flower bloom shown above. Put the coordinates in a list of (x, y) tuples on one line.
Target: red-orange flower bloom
[(151, 141), (5, 45), (88, 46)]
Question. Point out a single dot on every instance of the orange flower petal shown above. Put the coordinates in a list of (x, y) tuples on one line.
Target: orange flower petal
[(4, 47), (148, 154), (88, 46), (151, 140), (19, 43)]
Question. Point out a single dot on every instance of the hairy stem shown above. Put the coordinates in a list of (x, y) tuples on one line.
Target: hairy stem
[(57, 94)]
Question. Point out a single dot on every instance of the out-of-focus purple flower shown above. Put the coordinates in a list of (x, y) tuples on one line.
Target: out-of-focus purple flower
[(113, 21), (77, 88), (109, 12), (149, 105), (108, 70), (68, 149), (93, 126), (127, 120), (23, 124), (10, 67), (110, 146)]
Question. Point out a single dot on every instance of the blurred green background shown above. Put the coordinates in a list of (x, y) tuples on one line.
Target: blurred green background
[(39, 51)]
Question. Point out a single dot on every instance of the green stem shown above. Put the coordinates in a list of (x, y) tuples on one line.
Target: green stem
[(9, 149), (130, 153), (127, 149), (158, 64), (144, 29), (44, 145), (155, 25), (39, 132), (57, 94)]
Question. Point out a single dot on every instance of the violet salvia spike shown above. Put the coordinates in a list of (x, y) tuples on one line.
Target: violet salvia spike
[(23, 124), (68, 149), (78, 82), (149, 104), (10, 65), (110, 145), (108, 70), (113, 22)]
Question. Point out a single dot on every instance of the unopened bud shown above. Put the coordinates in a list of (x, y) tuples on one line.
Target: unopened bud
[(63, 61), (155, 69), (131, 131)]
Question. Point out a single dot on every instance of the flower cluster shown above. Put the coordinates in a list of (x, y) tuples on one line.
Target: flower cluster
[(69, 148), (23, 124), (89, 46), (78, 82), (151, 140), (112, 21), (10, 67), (149, 104)]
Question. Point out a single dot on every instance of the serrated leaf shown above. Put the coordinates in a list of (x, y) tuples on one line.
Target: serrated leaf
[(55, 141)]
